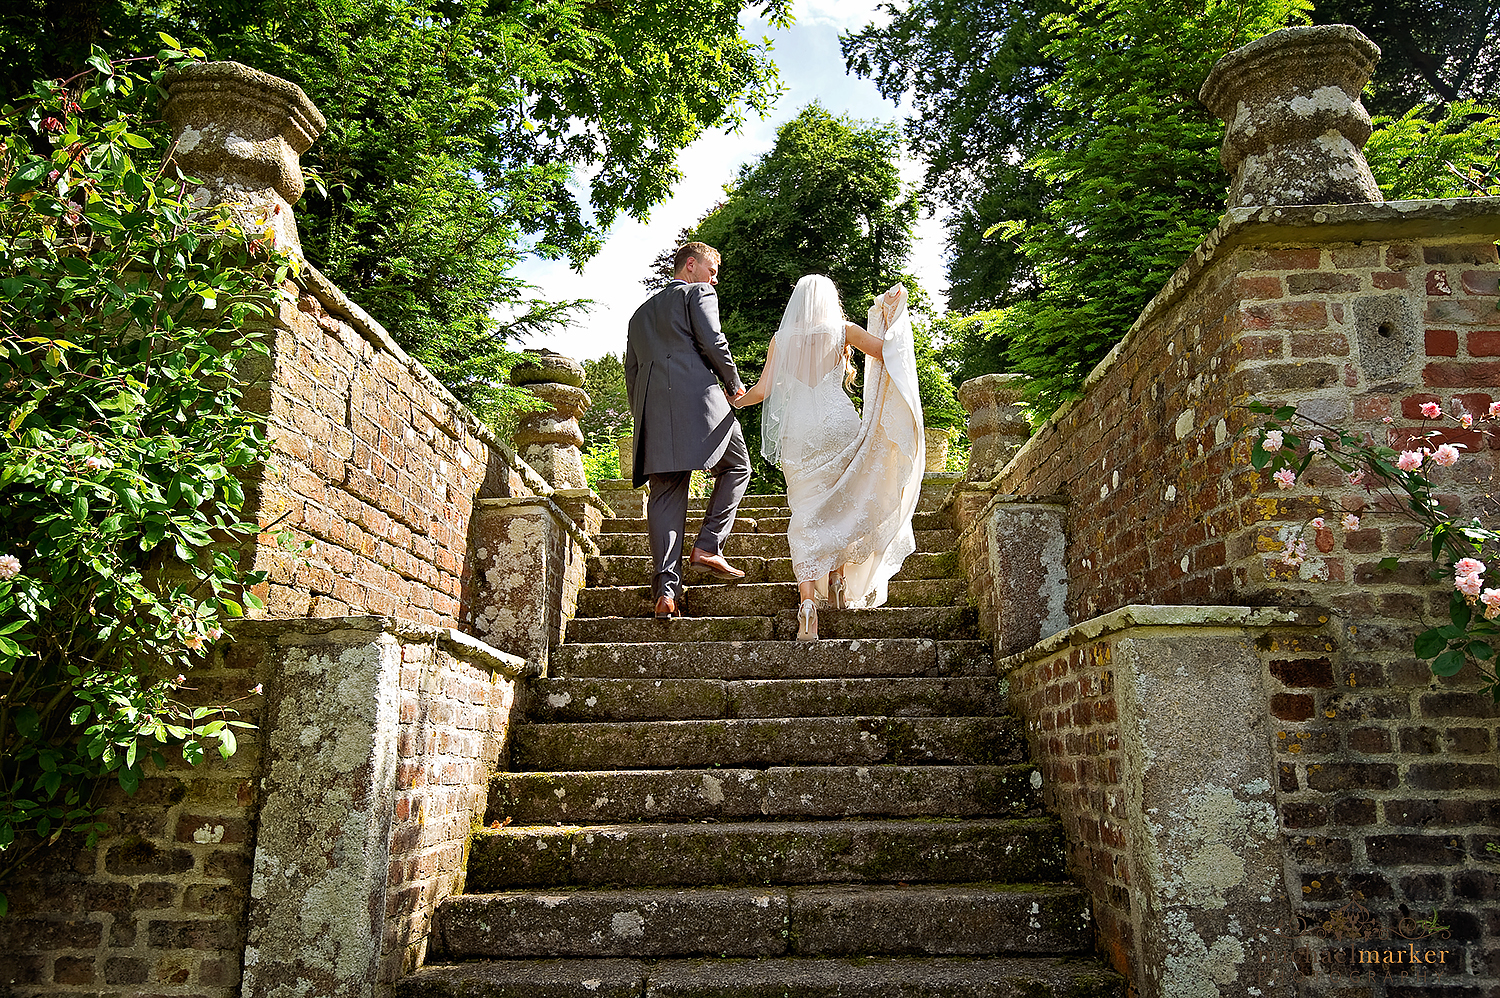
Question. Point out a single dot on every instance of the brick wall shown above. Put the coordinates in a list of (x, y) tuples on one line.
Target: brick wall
[(158, 907), (161, 906), (373, 461), (1359, 313)]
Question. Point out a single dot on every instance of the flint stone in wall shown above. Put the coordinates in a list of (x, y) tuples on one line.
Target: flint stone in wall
[(1296, 126)]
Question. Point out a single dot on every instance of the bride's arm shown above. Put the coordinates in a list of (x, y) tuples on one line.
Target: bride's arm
[(865, 342), (757, 392)]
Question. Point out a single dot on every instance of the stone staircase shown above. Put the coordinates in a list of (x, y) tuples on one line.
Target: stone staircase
[(704, 807)]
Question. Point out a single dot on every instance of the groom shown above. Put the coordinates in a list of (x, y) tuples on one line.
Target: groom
[(675, 357)]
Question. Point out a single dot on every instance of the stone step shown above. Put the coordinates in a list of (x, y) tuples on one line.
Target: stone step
[(755, 599), (552, 701), (827, 659), (764, 520), (960, 622), (766, 852), (654, 795), (750, 500), (776, 741), (775, 977), (833, 920), (636, 570), (747, 545)]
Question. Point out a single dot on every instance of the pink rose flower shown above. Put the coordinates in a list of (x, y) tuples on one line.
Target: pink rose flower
[(1316, 445), (1285, 478), (1357, 476), (1495, 410), (1272, 441), (1466, 421), (1469, 566), (193, 641), (10, 566), (1409, 460), (1446, 455), (1317, 523), (1491, 600), (1351, 522), (1431, 410), (1469, 585)]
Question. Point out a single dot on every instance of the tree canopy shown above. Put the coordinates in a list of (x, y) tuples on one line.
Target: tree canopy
[(463, 134)]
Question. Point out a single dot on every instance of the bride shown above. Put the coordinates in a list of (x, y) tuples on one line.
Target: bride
[(852, 480)]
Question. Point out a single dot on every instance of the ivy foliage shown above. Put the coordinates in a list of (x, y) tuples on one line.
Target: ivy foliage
[(127, 316), (463, 135)]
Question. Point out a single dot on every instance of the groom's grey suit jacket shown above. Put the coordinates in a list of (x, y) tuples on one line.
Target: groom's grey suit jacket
[(675, 358)]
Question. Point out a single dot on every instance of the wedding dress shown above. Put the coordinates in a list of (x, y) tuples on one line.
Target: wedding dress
[(852, 479)]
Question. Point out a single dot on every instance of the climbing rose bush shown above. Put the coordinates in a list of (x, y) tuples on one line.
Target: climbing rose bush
[(126, 314), (1288, 442)]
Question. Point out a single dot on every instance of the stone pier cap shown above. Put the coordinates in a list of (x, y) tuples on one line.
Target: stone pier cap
[(242, 133), (1296, 127)]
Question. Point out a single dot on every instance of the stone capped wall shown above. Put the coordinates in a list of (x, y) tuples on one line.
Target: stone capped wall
[(1385, 776), (374, 462)]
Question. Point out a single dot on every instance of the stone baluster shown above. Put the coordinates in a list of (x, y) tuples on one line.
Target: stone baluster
[(1296, 127), (549, 441), (997, 422), (240, 133)]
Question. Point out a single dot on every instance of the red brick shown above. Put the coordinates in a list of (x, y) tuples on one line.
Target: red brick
[(1442, 342), (1285, 259), (1287, 315), (1481, 282), (1384, 280), (1437, 283), (1265, 286), (1484, 343), (1458, 375), (1320, 345)]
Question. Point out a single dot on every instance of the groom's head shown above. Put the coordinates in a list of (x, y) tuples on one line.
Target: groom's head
[(696, 263)]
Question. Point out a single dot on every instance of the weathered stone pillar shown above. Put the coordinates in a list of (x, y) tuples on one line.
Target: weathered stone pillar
[(997, 422), (1296, 125), (549, 441), (240, 132), (620, 493)]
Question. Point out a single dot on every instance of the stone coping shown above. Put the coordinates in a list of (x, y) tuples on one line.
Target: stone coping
[(1294, 225), (575, 531), (338, 303), (1146, 615), (1001, 499), (293, 631)]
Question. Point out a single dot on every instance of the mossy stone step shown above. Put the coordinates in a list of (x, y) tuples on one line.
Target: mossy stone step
[(748, 545), (552, 701), (762, 520), (832, 920), (961, 622), (826, 659), (636, 570), (755, 599), (763, 852), (775, 977), (775, 741), (654, 795)]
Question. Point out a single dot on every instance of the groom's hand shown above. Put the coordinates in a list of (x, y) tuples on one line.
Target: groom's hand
[(735, 396)]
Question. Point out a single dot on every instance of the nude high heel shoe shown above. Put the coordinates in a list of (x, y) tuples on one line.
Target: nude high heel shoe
[(807, 621), (836, 598)]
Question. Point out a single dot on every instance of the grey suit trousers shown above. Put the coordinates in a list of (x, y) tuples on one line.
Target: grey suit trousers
[(666, 516)]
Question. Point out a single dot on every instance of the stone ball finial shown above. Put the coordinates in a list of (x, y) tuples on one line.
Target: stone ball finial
[(1296, 127), (549, 441), (242, 133)]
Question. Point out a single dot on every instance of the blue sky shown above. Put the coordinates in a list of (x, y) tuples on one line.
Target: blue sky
[(812, 68)]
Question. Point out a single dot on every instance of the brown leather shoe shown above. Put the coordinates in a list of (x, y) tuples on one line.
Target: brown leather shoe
[(714, 564), (667, 607)]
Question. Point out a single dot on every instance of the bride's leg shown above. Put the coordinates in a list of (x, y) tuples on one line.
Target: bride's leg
[(836, 598)]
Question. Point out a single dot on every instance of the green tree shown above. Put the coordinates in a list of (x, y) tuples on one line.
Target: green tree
[(125, 316), (1432, 52), (463, 134), (972, 74)]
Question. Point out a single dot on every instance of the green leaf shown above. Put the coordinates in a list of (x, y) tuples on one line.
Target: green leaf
[(137, 141), (168, 40), (1448, 663), (1389, 564), (227, 742), (1481, 650), (28, 176), (1459, 610)]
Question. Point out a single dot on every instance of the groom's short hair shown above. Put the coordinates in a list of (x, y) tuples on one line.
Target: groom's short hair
[(704, 253)]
